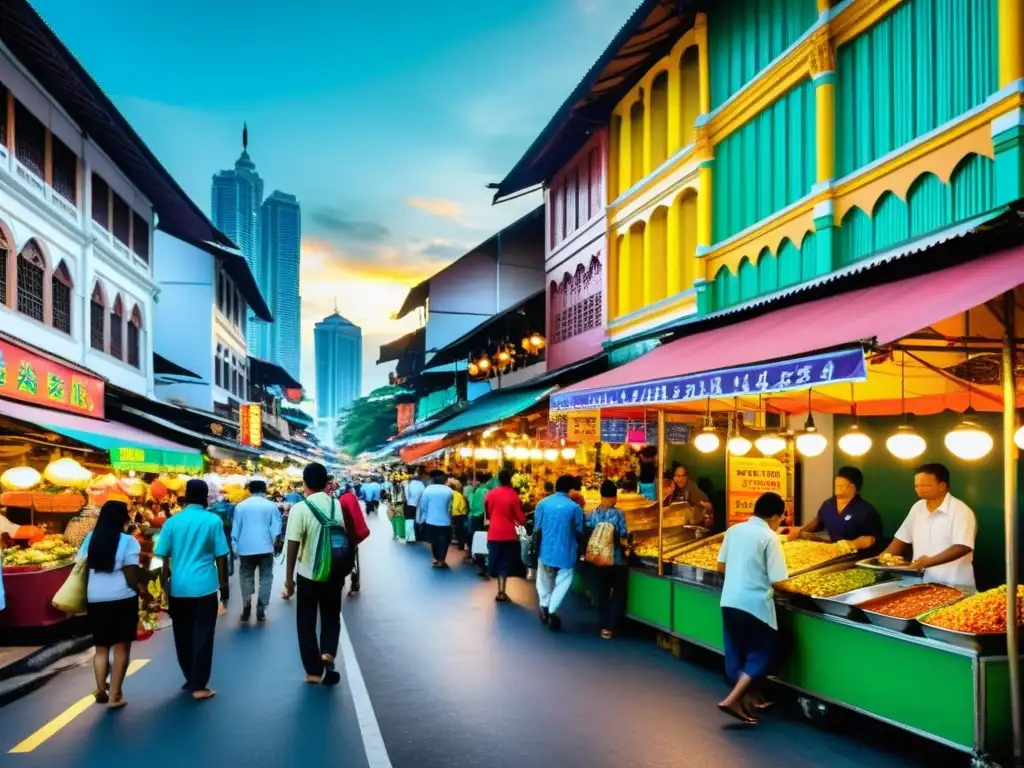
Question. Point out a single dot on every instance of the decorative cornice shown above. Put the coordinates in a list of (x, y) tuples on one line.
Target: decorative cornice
[(821, 56)]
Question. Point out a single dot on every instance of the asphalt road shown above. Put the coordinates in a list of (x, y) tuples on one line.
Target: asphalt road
[(453, 679)]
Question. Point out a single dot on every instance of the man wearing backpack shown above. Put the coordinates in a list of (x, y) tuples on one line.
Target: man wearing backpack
[(320, 550)]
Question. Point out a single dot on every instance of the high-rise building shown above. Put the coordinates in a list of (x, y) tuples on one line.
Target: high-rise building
[(236, 198), (281, 232), (338, 345)]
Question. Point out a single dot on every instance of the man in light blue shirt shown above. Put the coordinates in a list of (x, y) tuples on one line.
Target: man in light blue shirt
[(753, 561), (194, 550), (371, 495), (558, 521), (255, 537), (435, 513), (413, 490)]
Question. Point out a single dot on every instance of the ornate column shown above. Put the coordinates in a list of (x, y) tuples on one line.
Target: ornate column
[(675, 111), (1008, 129), (674, 252), (700, 27), (646, 153), (624, 276), (625, 152), (1011, 41), (705, 161), (822, 66)]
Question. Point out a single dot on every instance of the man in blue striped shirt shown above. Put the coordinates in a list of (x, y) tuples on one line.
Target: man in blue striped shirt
[(559, 522)]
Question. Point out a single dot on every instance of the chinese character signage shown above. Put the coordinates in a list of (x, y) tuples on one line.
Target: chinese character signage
[(748, 478), (250, 431), (584, 427), (35, 379), (765, 378)]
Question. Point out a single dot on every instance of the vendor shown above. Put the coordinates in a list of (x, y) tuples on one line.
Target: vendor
[(682, 491), (648, 474), (847, 516), (941, 529)]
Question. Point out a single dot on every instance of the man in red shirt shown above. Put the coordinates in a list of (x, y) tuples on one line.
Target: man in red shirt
[(505, 512), (355, 526)]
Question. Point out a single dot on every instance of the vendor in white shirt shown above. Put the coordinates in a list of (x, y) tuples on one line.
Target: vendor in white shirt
[(941, 530)]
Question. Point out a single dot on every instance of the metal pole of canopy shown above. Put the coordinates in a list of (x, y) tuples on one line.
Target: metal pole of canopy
[(659, 491), (1010, 513)]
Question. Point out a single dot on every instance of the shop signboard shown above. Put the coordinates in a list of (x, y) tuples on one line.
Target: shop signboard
[(406, 416), (584, 427), (613, 431), (250, 430), (37, 380), (747, 479), (558, 427), (140, 458), (761, 379)]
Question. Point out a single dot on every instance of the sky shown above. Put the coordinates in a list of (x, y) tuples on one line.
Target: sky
[(386, 119)]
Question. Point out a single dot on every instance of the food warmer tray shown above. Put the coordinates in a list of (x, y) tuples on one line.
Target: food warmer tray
[(823, 604), (873, 564), (987, 644), (847, 605), (691, 572), (907, 626)]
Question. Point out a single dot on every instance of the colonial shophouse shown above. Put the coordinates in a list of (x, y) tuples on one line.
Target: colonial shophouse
[(80, 197), (757, 146)]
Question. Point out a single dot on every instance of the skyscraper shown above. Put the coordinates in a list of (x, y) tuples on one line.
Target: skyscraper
[(338, 346), (281, 232), (235, 203)]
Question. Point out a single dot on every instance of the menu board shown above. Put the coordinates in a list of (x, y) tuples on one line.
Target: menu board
[(613, 431), (584, 427), (747, 479)]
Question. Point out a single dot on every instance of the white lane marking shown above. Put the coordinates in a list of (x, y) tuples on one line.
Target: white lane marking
[(369, 728)]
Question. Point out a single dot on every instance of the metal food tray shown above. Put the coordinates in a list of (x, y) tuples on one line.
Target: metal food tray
[(873, 564), (846, 605), (987, 644), (907, 626)]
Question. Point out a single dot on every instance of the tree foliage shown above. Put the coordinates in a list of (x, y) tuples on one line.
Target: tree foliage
[(369, 421)]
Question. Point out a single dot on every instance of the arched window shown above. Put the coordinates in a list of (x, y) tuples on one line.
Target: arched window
[(31, 274), (5, 251), (97, 319), (116, 337), (60, 292), (134, 338)]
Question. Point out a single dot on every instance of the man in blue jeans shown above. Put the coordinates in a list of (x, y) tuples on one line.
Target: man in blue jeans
[(255, 537)]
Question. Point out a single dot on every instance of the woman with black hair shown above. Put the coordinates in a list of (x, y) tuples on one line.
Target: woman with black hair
[(112, 579)]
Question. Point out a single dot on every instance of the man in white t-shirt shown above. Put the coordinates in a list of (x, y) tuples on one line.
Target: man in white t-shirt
[(940, 528)]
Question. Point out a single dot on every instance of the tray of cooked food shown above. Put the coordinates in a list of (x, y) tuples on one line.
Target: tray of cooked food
[(899, 610), (820, 588), (977, 623), (885, 562), (676, 539)]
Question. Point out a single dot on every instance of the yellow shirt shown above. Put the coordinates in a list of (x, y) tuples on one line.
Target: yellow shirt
[(304, 528), (459, 505)]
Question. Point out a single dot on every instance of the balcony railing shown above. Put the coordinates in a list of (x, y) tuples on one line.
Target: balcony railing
[(37, 187)]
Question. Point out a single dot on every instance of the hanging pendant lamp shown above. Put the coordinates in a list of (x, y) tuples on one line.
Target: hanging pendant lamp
[(707, 441), (810, 442), (854, 442), (967, 440), (905, 443)]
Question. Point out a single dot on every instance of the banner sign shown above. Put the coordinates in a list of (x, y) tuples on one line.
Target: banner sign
[(747, 479), (144, 459), (35, 379), (250, 431), (584, 427), (406, 416), (765, 378)]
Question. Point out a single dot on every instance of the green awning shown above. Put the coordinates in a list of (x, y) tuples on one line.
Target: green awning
[(137, 456), (492, 408)]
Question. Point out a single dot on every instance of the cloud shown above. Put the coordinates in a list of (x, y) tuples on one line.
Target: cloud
[(336, 222), (444, 249), (446, 209)]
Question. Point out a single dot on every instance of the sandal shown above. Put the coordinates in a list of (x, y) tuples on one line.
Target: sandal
[(606, 634), (117, 702), (102, 697)]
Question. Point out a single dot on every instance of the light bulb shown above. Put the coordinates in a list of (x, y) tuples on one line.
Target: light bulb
[(854, 442), (466, 452), (551, 454), (536, 340), (770, 443), (568, 453), (522, 453), (738, 445), (968, 441), (707, 441), (1018, 438), (474, 369), (811, 443), (20, 478), (536, 454), (905, 443), (484, 364), (503, 357)]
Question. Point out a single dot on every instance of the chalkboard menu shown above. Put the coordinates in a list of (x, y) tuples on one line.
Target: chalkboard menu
[(617, 431), (613, 431)]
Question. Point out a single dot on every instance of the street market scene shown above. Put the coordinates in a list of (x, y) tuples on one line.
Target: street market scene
[(691, 439)]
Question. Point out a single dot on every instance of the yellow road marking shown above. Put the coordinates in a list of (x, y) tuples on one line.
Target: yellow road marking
[(53, 727)]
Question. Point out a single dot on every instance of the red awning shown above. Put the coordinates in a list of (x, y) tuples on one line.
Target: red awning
[(881, 314)]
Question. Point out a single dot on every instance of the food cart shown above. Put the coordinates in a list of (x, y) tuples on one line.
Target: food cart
[(785, 365)]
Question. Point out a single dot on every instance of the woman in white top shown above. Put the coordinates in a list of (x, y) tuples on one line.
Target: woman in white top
[(113, 579)]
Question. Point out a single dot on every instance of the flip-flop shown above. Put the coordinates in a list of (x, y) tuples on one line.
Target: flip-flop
[(204, 695), (117, 702), (745, 719), (102, 697)]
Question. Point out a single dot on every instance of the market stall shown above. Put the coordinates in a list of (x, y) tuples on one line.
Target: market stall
[(914, 349)]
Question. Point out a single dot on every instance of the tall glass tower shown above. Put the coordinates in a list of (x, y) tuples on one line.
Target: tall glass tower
[(281, 233), (338, 346), (235, 203)]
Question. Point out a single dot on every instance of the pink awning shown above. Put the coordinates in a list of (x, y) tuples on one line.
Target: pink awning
[(881, 314)]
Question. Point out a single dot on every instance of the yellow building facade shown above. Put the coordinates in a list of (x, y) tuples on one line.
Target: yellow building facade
[(778, 142)]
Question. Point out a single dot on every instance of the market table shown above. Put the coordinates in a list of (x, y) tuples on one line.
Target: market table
[(29, 595), (943, 692)]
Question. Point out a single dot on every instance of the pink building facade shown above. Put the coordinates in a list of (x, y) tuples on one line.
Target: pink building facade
[(575, 255)]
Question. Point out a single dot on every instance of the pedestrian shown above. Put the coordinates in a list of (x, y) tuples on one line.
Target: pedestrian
[(413, 490), (504, 511), (753, 561), (476, 494), (112, 593), (315, 599), (194, 552), (559, 521), (371, 494), (255, 539), (396, 510), (610, 580), (225, 510), (355, 522), (435, 514), (460, 510)]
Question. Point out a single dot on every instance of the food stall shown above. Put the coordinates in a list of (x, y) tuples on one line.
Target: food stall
[(762, 379)]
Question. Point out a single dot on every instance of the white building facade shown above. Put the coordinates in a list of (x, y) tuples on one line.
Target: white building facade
[(76, 240)]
